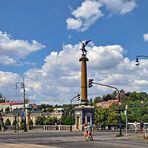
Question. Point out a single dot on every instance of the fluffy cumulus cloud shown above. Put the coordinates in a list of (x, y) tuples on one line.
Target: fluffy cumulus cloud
[(58, 80), (145, 36), (91, 10), (7, 84), (10, 49), (85, 15), (119, 6)]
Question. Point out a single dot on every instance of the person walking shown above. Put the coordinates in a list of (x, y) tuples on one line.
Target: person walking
[(135, 127), (85, 132), (141, 126), (89, 128)]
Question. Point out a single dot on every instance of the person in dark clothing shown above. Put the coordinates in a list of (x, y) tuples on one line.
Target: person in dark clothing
[(141, 126)]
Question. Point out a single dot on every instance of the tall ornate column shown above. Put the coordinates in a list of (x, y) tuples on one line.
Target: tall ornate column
[(84, 113), (83, 61)]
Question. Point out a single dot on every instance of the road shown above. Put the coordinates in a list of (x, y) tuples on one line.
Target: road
[(66, 139)]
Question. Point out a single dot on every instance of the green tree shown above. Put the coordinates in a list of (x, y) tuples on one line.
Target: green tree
[(50, 121), (97, 100), (67, 120), (107, 97), (50, 108), (40, 120), (46, 107), (7, 122), (22, 125), (144, 118), (112, 118), (14, 122), (7, 109), (101, 117), (30, 123)]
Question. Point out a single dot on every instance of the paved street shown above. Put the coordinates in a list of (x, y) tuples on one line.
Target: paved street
[(68, 139)]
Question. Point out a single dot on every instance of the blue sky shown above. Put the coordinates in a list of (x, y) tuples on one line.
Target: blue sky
[(41, 40)]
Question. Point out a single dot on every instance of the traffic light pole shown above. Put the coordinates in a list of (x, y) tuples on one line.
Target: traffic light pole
[(139, 56), (91, 82), (78, 98)]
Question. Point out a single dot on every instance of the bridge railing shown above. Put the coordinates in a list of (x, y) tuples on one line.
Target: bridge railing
[(131, 126), (41, 127)]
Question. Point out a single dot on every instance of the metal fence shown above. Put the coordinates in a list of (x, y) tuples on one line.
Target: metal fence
[(67, 127)]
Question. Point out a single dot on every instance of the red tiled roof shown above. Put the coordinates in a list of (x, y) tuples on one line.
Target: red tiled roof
[(11, 103), (107, 104)]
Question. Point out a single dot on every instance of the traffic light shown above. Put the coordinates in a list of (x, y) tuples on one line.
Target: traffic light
[(90, 82), (137, 61), (78, 97)]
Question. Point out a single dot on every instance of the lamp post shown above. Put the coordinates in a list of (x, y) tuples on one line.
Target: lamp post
[(78, 98), (139, 56), (91, 81), (126, 108), (22, 84)]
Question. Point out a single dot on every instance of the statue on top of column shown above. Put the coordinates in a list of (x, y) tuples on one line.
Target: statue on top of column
[(84, 51)]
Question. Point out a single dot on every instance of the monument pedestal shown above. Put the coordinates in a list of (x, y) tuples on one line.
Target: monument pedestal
[(84, 114)]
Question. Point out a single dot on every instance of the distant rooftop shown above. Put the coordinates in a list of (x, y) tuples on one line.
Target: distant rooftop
[(11, 103)]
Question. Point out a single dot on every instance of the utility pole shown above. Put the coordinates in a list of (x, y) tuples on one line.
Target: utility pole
[(22, 84)]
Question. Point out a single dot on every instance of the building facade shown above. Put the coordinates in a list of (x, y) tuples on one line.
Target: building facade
[(107, 104)]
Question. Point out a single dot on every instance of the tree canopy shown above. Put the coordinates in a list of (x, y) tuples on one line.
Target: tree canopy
[(137, 103)]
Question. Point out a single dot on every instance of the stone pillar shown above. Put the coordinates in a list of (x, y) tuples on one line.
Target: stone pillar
[(83, 61)]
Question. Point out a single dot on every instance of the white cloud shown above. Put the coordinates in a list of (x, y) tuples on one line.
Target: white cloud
[(119, 6), (5, 60), (85, 16), (141, 82), (7, 84), (90, 11), (59, 78), (10, 48), (145, 36), (105, 54), (74, 23)]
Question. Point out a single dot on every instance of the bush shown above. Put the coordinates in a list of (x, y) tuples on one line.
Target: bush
[(7, 122), (22, 125), (30, 122), (14, 122), (40, 120), (50, 121)]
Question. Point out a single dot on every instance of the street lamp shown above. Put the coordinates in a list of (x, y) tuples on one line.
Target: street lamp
[(91, 81), (22, 84), (137, 58), (78, 98), (126, 109)]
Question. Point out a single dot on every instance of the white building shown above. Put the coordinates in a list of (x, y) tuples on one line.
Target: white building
[(12, 106)]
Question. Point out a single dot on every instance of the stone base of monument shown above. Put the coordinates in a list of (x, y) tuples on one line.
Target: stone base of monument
[(84, 114)]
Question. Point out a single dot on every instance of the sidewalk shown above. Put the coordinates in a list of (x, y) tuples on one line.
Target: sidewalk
[(133, 136), (129, 136), (24, 146)]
